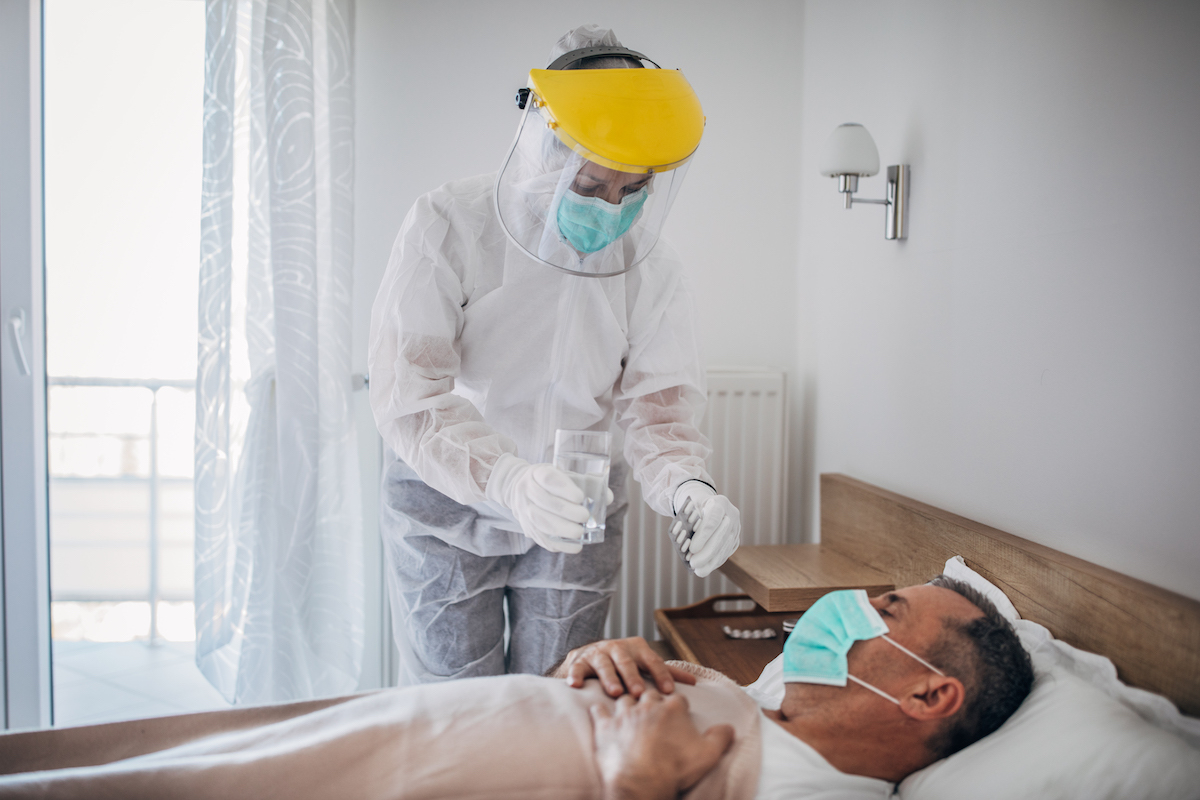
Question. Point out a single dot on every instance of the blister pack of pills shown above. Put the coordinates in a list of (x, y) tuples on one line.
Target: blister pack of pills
[(684, 527), (758, 633)]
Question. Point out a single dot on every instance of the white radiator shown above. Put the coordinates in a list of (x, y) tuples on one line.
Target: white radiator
[(746, 421)]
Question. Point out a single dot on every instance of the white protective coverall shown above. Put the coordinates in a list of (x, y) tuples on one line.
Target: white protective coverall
[(478, 350)]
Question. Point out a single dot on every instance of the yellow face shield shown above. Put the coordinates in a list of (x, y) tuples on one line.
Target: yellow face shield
[(632, 120), (598, 158)]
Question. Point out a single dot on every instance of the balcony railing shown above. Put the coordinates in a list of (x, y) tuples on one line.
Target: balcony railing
[(88, 453)]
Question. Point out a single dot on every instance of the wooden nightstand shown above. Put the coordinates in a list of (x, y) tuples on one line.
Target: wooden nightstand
[(780, 581), (790, 577)]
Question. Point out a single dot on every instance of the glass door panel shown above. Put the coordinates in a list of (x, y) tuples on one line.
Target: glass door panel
[(123, 92)]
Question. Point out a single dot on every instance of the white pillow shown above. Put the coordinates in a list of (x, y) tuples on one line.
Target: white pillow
[(1067, 740), (1048, 652), (957, 569), (1080, 734)]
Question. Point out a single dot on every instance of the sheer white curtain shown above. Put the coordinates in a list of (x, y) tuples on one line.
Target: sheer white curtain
[(279, 585)]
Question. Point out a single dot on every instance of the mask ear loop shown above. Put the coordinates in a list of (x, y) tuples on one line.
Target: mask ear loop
[(907, 652), (911, 654), (879, 692)]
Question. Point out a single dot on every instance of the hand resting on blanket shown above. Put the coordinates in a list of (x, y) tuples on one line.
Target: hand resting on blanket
[(650, 748), (619, 664)]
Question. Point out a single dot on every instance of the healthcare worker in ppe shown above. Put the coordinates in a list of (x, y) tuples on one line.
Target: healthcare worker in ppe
[(516, 304)]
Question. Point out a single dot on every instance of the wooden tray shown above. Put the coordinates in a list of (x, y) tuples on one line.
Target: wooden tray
[(696, 634)]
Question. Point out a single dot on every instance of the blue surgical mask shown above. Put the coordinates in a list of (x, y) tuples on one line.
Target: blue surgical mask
[(590, 223), (815, 652)]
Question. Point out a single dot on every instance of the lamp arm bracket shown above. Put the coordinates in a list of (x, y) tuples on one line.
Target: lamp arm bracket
[(896, 216)]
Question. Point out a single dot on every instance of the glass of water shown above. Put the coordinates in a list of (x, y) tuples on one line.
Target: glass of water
[(584, 456)]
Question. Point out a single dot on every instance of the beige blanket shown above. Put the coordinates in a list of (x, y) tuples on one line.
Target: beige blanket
[(503, 737)]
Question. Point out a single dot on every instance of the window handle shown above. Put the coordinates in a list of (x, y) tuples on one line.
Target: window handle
[(16, 327)]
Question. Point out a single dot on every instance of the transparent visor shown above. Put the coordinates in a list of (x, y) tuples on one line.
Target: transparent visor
[(574, 214)]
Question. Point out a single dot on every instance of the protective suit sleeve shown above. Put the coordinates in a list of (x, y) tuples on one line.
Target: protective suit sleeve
[(660, 397), (414, 358)]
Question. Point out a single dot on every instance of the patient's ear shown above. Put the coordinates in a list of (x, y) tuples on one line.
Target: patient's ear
[(935, 697)]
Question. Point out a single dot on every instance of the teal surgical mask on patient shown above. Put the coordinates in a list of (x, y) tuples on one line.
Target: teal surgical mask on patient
[(815, 652), (591, 223)]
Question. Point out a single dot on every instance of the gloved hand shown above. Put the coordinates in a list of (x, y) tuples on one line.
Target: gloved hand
[(718, 532), (544, 499)]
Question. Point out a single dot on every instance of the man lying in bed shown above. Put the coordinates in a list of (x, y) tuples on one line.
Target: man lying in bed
[(949, 671)]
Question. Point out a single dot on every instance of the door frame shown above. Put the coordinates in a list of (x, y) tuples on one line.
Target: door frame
[(27, 696)]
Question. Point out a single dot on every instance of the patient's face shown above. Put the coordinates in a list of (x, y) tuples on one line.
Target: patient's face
[(915, 618)]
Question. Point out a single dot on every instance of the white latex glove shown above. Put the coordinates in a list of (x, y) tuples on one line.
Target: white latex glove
[(544, 499), (718, 532)]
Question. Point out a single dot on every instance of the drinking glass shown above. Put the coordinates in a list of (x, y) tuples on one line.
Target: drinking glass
[(584, 456)]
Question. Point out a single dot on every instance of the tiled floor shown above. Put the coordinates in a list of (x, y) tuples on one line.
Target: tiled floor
[(106, 681)]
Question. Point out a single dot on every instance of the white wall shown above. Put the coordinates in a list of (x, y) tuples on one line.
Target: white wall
[(1030, 357), (435, 91)]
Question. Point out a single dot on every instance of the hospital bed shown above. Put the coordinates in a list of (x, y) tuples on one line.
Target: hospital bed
[(1151, 635)]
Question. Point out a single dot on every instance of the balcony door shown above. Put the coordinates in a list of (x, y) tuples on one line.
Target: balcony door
[(98, 527)]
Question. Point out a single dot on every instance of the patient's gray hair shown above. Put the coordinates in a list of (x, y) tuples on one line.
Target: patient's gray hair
[(986, 655)]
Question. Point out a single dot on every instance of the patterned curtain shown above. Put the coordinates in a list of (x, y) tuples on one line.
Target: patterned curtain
[(279, 583)]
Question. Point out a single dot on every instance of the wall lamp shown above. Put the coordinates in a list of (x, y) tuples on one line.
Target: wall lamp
[(850, 154)]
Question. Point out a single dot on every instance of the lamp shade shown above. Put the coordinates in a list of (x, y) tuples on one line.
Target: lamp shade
[(850, 150)]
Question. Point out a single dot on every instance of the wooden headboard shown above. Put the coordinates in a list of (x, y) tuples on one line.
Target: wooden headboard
[(1151, 634)]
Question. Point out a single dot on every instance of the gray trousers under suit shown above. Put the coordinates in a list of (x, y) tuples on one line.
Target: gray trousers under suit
[(448, 603)]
